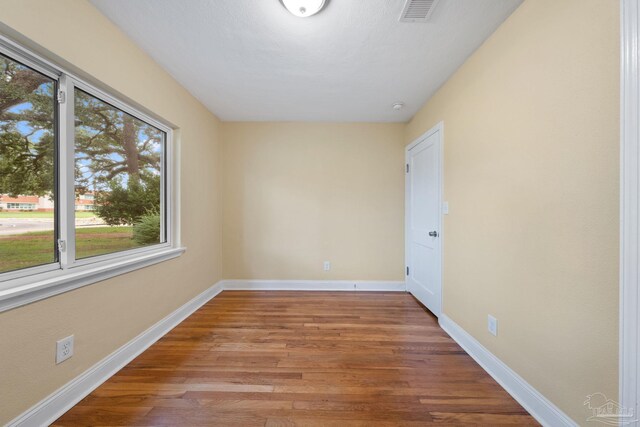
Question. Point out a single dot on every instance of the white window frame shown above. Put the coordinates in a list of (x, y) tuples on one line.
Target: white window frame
[(27, 285)]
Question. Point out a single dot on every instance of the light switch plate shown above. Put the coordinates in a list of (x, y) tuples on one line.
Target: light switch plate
[(492, 325), (445, 208)]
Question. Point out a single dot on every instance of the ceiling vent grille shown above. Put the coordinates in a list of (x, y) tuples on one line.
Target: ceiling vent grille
[(418, 10)]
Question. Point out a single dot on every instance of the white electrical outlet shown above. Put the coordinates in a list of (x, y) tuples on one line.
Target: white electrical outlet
[(492, 325), (327, 265), (64, 349)]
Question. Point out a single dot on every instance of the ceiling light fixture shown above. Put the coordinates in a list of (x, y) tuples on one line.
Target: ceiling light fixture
[(398, 106), (304, 8)]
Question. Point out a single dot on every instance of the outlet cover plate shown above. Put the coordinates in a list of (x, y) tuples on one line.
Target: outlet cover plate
[(64, 349)]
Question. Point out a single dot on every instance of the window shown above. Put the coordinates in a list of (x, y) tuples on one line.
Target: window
[(22, 206), (85, 181), (27, 164), (118, 158)]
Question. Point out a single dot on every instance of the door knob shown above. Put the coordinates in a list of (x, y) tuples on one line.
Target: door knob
[(433, 234)]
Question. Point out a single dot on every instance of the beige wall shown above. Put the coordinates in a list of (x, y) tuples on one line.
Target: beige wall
[(531, 147), (297, 194), (106, 315), (531, 176)]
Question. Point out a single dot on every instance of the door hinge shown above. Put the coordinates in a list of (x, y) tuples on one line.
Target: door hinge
[(407, 167), (407, 271), (62, 245), (62, 97)]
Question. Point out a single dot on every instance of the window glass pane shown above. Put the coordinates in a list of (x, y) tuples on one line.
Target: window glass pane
[(27, 172), (118, 179)]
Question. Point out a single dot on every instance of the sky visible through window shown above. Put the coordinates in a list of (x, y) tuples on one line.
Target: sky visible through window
[(118, 173), (118, 161), (27, 156)]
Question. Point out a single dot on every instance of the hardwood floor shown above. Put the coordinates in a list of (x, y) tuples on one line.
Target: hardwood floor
[(302, 358)]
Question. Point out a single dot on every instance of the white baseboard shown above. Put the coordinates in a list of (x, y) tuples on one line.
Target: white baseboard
[(545, 412), (314, 285), (56, 404), (52, 407)]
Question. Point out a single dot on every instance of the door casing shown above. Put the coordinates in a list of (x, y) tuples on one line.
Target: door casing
[(629, 330)]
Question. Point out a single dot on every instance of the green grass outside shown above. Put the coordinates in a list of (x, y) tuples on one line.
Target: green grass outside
[(21, 215), (31, 249)]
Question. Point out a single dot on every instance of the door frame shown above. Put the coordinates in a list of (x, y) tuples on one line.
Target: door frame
[(629, 330), (437, 128)]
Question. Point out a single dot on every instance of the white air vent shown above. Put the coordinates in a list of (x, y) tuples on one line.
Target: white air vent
[(418, 10)]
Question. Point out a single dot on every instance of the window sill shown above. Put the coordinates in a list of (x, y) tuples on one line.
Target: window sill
[(46, 285)]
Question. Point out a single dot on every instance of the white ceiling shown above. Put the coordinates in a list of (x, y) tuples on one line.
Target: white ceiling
[(252, 60)]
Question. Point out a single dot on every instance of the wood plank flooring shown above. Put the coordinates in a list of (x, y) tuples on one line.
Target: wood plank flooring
[(302, 359)]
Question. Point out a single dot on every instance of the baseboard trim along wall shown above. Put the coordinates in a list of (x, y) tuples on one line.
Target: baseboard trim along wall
[(52, 407), (314, 285), (49, 409), (545, 412), (63, 399)]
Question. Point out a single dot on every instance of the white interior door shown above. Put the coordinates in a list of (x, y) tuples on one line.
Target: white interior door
[(423, 219)]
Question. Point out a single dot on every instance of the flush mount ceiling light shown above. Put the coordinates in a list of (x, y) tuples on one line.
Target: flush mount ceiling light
[(304, 8), (398, 106)]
